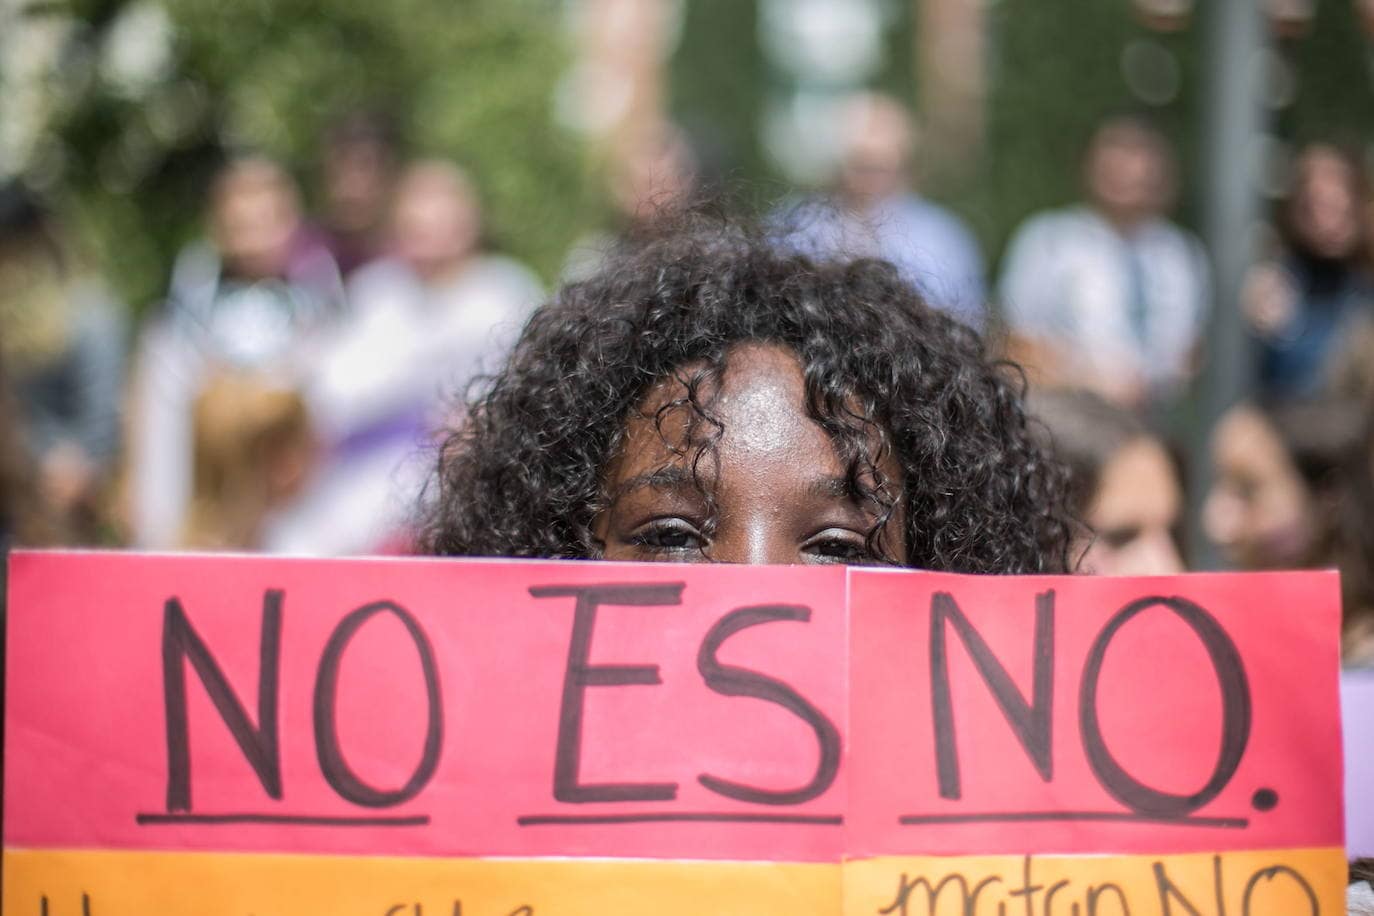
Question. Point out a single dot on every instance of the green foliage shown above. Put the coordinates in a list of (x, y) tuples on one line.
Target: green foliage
[(472, 80), (718, 83), (1057, 73), (1055, 69), (1334, 64)]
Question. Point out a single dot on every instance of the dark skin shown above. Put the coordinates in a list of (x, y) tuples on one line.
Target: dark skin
[(779, 487)]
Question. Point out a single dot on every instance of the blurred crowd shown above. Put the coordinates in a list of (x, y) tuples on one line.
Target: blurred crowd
[(288, 393), (282, 396)]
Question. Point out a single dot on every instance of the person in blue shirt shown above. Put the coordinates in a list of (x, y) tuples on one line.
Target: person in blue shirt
[(875, 213), (1302, 303)]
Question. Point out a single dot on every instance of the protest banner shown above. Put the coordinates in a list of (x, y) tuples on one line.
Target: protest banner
[(195, 734)]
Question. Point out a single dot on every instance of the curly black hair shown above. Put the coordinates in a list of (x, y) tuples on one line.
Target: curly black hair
[(524, 476)]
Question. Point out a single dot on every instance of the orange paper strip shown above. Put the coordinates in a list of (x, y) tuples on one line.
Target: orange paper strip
[(1291, 882)]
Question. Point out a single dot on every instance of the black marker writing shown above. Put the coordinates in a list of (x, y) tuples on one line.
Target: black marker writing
[(931, 893), (1268, 875), (733, 681), (1032, 722), (259, 743), (332, 763), (85, 905), (415, 909), (1235, 712), (581, 674), (968, 896)]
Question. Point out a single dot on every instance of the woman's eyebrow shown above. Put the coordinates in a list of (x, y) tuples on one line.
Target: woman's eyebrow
[(671, 477), (831, 488), (843, 488)]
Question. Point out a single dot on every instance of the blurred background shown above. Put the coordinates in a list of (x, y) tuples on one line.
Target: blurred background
[(250, 251)]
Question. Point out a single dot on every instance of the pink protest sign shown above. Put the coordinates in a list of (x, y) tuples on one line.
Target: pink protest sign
[(424, 708), (869, 736), (1091, 713)]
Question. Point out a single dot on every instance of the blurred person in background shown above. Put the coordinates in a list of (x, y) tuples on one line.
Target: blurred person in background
[(1109, 295), (359, 161), (875, 213), (21, 513), (1122, 484), (427, 319), (1294, 488), (256, 295), (1349, 372), (253, 453), (1359, 899), (62, 341), (1302, 302), (23, 516), (263, 273), (653, 171)]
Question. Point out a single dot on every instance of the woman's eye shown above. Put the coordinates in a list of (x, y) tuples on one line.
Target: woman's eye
[(849, 548), (1117, 538), (667, 535)]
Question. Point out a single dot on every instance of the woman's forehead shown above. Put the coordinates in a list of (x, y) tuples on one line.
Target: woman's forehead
[(753, 405), (748, 415)]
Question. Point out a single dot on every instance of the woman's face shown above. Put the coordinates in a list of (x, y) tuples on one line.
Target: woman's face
[(1128, 173), (779, 488), (254, 220), (1259, 510), (1133, 514), (436, 222), (1326, 206)]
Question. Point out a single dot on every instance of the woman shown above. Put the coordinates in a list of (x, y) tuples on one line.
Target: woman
[(62, 340), (1302, 304), (1294, 488), (708, 398), (1122, 484), (438, 310)]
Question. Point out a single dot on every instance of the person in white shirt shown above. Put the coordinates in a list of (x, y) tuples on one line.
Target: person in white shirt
[(1110, 295), (427, 320), (258, 295)]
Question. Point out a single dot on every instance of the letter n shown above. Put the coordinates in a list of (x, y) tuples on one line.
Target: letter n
[(1032, 722), (259, 744)]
